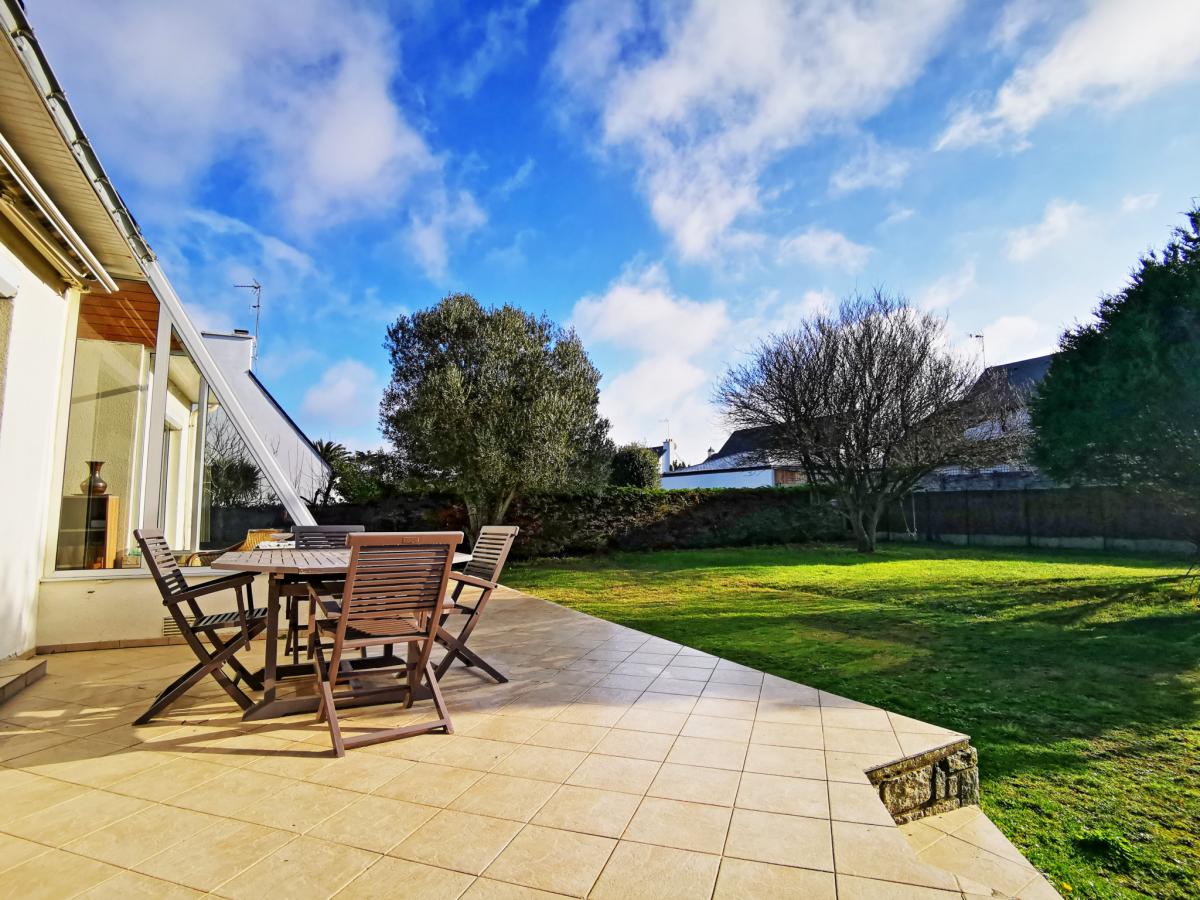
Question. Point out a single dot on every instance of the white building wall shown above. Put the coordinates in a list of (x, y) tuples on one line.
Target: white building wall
[(32, 358), (233, 354), (740, 478)]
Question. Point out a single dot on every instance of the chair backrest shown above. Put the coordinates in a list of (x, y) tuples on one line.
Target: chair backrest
[(323, 537), (161, 562), (394, 579), (491, 551)]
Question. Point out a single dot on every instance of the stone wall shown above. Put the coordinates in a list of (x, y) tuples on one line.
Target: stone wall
[(929, 783)]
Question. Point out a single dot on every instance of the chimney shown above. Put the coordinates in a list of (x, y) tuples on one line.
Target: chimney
[(665, 459)]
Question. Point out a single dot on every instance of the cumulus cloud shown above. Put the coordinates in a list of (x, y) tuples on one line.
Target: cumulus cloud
[(1116, 53), (948, 289), (1056, 224), (293, 98), (704, 96), (824, 248), (345, 398), (875, 166)]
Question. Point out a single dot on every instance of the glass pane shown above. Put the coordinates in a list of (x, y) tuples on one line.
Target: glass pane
[(213, 493), (106, 431)]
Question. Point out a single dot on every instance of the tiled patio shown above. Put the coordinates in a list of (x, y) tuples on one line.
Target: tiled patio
[(613, 764)]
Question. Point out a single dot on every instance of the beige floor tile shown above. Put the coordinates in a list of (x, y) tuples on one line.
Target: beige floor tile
[(686, 673), (780, 839), (698, 784), (55, 875), (636, 744), (25, 793), (429, 784), (505, 797), (869, 719), (374, 823), (568, 736), (655, 721), (783, 794), (614, 773), (216, 854), (229, 791), (648, 872), (691, 751), (851, 767), (73, 818), (717, 728), (541, 763), (679, 824), (877, 851), (456, 840), (490, 889), (851, 887), (781, 734), (15, 850), (391, 877), (139, 836), (740, 675), (130, 886), (665, 684), (677, 703), (726, 709), (731, 691), (920, 835), (297, 807), (304, 868), (88, 762), (856, 740), (787, 713), (513, 729), (742, 878), (604, 714), (160, 783), (550, 859), (626, 682), (588, 810), (983, 833), (796, 762), (359, 772), (962, 858), (466, 752), (857, 803)]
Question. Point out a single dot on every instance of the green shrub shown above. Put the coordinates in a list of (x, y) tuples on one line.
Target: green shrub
[(635, 466)]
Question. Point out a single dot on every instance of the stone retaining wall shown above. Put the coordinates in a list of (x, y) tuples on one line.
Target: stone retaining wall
[(929, 783)]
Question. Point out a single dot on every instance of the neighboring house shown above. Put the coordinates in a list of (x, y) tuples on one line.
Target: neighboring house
[(665, 453), (100, 369), (738, 464)]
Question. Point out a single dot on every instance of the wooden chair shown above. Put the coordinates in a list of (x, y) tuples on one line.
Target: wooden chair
[(180, 599), (395, 587), (309, 537), (483, 572)]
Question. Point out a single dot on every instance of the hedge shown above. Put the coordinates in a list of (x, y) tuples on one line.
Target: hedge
[(620, 518)]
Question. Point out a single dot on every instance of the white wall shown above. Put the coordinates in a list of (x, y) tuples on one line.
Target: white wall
[(233, 353), (32, 357), (741, 478)]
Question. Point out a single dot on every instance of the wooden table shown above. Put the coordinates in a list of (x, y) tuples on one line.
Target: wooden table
[(278, 565)]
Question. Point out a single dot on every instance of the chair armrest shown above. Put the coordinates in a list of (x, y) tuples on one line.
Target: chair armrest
[(473, 581), (224, 583)]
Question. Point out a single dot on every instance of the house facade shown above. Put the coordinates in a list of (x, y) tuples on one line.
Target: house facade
[(115, 412), (738, 464)]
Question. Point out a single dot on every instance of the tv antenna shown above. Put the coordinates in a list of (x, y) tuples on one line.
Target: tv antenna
[(668, 421), (982, 347), (257, 307)]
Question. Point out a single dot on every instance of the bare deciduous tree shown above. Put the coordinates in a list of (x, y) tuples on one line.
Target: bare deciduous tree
[(868, 400)]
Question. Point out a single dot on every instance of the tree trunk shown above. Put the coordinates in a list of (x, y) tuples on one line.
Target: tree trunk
[(864, 540)]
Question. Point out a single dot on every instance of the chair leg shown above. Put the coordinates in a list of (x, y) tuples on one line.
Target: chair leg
[(327, 709), (209, 664), (438, 703)]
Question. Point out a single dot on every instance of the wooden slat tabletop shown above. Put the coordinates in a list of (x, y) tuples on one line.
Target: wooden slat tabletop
[(294, 562)]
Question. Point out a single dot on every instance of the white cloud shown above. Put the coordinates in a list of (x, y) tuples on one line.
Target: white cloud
[(1015, 19), (875, 165), (706, 95), (1057, 223), (1010, 338), (825, 248), (431, 230), (948, 289), (897, 215), (1116, 53), (346, 398), (1138, 202), (503, 35), (295, 98), (517, 179)]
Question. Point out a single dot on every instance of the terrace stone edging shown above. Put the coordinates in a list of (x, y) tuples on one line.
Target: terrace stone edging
[(931, 782)]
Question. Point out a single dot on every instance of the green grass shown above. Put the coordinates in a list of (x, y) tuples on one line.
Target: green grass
[(1076, 674)]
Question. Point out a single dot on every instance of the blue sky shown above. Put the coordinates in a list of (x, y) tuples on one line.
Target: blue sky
[(676, 180)]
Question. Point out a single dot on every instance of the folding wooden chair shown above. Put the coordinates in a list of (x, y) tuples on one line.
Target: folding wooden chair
[(310, 537), (394, 593), (483, 572), (180, 599)]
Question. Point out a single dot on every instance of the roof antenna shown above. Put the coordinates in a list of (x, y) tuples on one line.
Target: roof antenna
[(668, 421), (982, 348), (257, 307)]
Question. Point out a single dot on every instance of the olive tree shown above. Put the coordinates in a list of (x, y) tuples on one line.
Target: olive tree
[(491, 403), (867, 400)]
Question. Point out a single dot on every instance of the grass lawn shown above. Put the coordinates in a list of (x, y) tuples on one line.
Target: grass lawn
[(1076, 674)]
